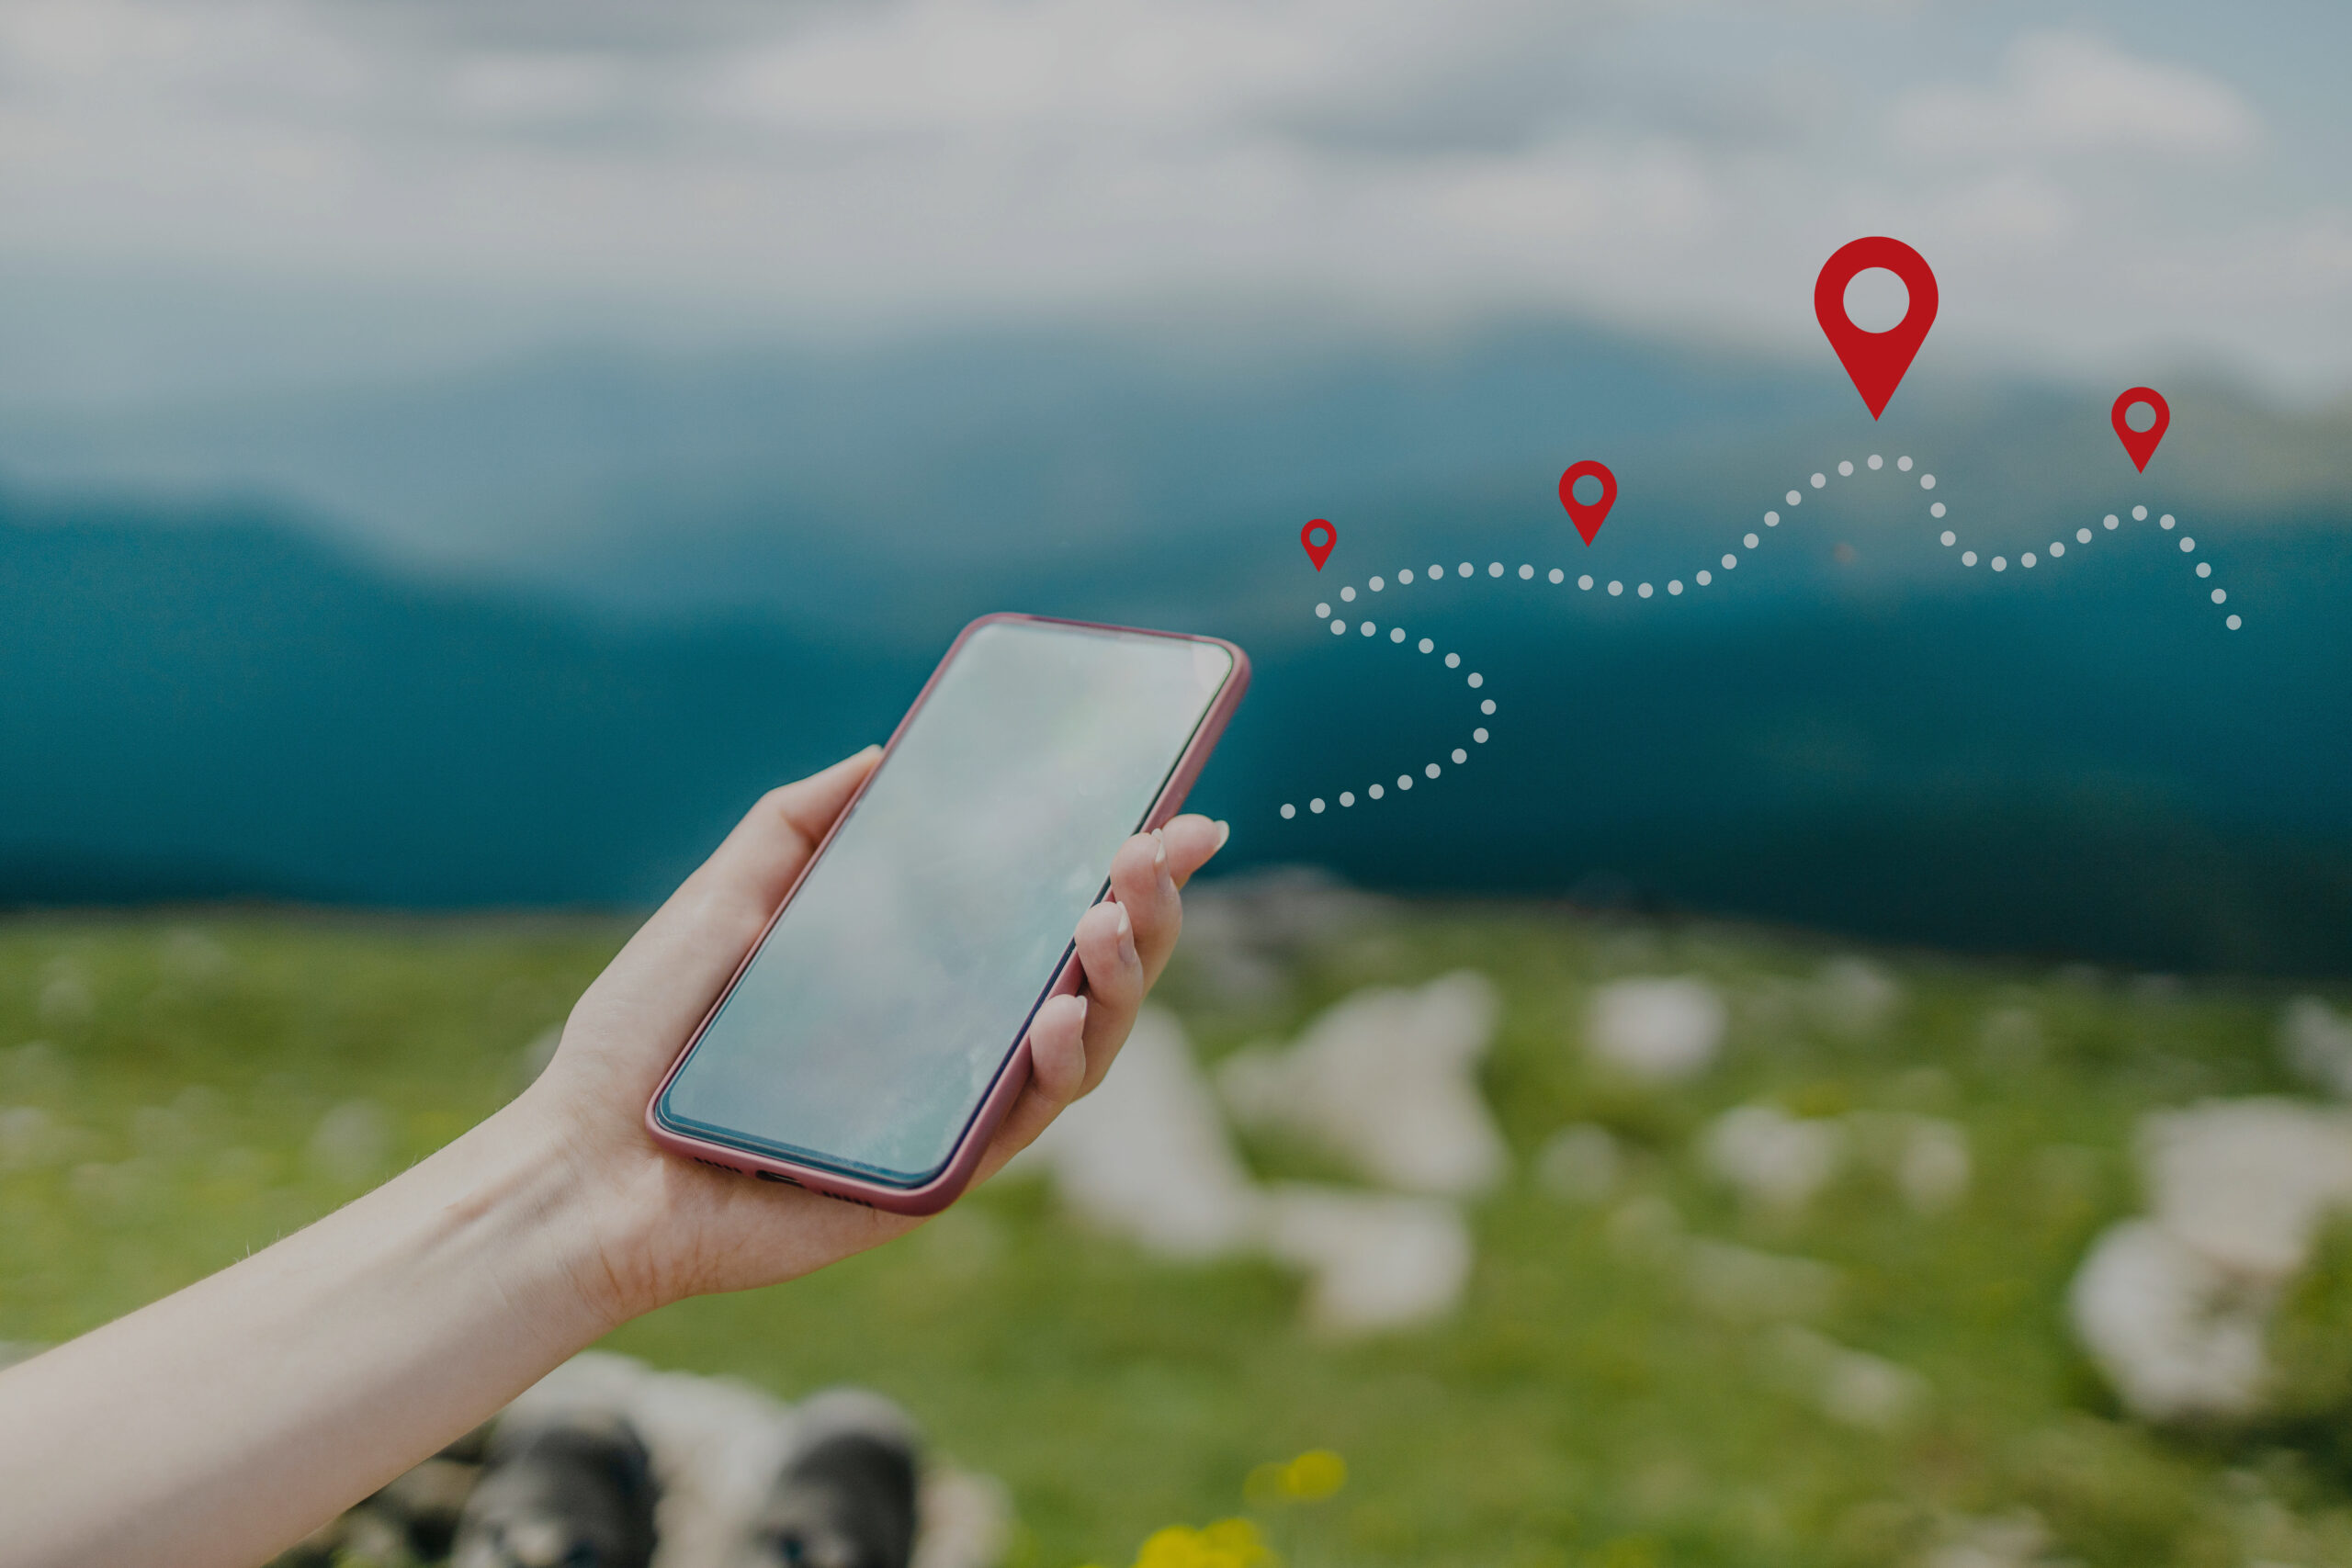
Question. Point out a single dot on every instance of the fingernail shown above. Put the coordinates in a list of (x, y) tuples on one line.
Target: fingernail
[(1159, 848), (1081, 1013), (1127, 935), (1224, 832)]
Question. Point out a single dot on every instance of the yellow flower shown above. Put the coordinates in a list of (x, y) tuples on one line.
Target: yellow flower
[(1315, 1475)]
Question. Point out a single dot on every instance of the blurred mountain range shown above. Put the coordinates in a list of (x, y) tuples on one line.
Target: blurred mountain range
[(534, 635)]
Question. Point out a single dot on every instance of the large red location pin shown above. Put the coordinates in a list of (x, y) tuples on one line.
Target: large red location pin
[(1588, 519), (1318, 536), (1875, 360), (2142, 444)]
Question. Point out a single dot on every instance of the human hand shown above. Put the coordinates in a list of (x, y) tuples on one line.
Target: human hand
[(662, 1227)]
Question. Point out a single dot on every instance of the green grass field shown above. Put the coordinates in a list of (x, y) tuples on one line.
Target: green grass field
[(163, 1078)]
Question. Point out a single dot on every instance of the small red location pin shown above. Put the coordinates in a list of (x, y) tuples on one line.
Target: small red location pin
[(1588, 519), (1318, 536), (1875, 360), (2142, 444)]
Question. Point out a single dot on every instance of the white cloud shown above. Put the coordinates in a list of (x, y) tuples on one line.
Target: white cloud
[(2066, 92), (1408, 160)]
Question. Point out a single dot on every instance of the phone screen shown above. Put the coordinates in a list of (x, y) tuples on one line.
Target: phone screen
[(884, 1003)]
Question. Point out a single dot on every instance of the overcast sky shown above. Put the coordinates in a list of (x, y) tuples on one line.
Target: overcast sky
[(2102, 188)]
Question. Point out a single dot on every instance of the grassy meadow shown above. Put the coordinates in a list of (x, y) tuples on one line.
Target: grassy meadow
[(164, 1078)]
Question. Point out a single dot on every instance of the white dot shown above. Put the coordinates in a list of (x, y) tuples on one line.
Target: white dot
[(1406, 577), (1730, 561), (1338, 627), (1937, 510), (1904, 464), (1404, 781), (1771, 520), (1968, 557), (1431, 770), (1927, 482), (2139, 514), (2056, 549), (1437, 573), (1494, 568), (1487, 707), (1477, 680), (1368, 628), (2165, 520), (1464, 569), (2231, 623), (2187, 544), (1675, 586), (2027, 560), (1289, 811), (1460, 756), (2081, 536), (1377, 585), (1374, 793), (2000, 563), (1616, 588), (1525, 572), (1705, 576), (2110, 521), (1323, 610), (1397, 634), (2204, 568), (1845, 470), (1585, 582), (1644, 590), (1347, 596), (1479, 735), (1750, 540), (1558, 576), (1877, 461), (1316, 806), (1347, 798), (1950, 537), (1427, 646), (2221, 597), (1453, 661), (1793, 499)]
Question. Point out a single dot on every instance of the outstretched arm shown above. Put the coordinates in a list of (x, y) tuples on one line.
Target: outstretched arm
[(221, 1424)]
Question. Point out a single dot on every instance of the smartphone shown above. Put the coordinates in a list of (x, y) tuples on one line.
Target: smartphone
[(878, 1030)]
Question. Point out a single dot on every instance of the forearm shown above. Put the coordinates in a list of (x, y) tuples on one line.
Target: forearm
[(222, 1423)]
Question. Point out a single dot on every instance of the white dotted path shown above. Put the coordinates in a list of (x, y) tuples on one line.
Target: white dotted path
[(1343, 623)]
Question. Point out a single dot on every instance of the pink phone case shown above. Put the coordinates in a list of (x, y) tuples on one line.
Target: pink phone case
[(942, 1189)]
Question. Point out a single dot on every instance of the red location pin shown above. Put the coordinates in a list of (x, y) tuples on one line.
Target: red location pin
[(1588, 519), (1318, 536), (2142, 444), (1875, 360)]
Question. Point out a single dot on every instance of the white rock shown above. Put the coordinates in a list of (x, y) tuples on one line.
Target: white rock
[(2245, 1183), (1775, 1161), (1854, 998), (1387, 1081), (1147, 1156), (1741, 1285), (1660, 1029), (1849, 1386), (2316, 1044), (1377, 1262), (351, 1143), (1926, 1157), (2174, 1333), (1580, 1163), (2010, 1540)]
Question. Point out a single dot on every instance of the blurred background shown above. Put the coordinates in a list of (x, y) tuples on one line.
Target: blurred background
[(453, 457)]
